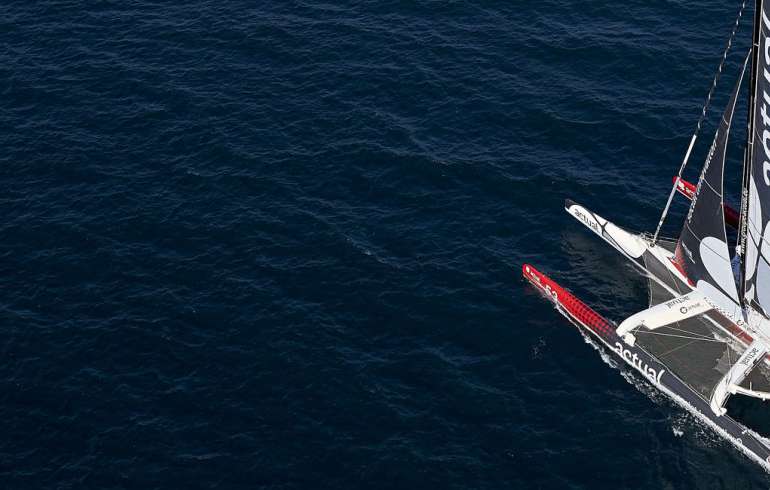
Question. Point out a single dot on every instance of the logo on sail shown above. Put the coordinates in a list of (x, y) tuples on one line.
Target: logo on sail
[(765, 101)]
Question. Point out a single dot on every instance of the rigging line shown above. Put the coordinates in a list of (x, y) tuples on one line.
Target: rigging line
[(669, 327), (700, 123), (705, 337), (671, 351), (680, 336)]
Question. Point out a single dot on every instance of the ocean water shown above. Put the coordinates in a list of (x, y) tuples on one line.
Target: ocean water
[(278, 244)]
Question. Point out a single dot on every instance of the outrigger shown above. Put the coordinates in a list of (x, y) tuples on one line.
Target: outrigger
[(706, 334)]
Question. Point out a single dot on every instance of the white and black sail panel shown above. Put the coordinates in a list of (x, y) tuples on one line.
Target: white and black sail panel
[(756, 266), (702, 248)]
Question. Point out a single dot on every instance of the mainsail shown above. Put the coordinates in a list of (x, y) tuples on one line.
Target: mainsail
[(756, 230), (702, 248)]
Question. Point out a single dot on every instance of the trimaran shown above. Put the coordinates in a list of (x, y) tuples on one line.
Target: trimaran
[(706, 334)]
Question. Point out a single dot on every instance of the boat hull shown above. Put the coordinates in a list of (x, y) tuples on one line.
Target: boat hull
[(656, 373)]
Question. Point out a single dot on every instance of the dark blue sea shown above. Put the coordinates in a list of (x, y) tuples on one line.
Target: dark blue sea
[(277, 245)]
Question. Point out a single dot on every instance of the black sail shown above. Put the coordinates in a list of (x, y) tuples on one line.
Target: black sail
[(756, 233), (702, 249)]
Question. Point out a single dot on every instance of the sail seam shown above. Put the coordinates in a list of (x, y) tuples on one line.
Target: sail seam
[(721, 197)]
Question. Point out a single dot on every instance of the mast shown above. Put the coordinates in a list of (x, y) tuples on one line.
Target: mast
[(756, 237), (748, 151)]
